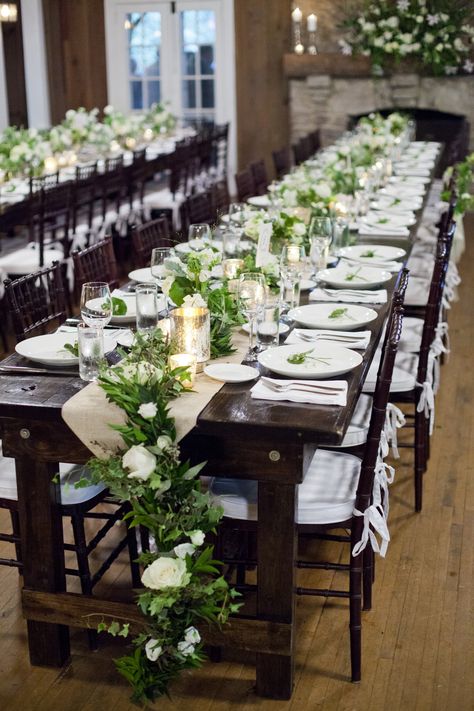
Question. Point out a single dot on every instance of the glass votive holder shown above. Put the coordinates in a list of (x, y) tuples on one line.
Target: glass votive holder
[(147, 307), (91, 351), (191, 333), (184, 360), (231, 268), (290, 285), (231, 242), (268, 326)]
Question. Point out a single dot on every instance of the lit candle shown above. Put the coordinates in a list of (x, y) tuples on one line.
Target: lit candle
[(296, 15), (191, 332), (184, 360), (231, 267), (50, 164), (130, 142), (148, 134), (312, 22), (299, 49), (293, 253), (114, 146), (62, 160)]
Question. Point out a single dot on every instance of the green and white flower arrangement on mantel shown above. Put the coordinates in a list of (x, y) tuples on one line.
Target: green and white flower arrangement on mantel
[(183, 585), (437, 35)]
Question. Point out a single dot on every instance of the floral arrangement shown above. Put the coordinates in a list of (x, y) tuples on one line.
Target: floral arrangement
[(188, 283), (23, 151), (182, 583), (436, 33), (464, 184)]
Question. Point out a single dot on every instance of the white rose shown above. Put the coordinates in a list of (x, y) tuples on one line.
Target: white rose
[(139, 461), (144, 372), (192, 635), (109, 109), (186, 648), (323, 190), (166, 285), (164, 442), (194, 301), (148, 410), (183, 550), (392, 22), (197, 537), (204, 275), (153, 649), (291, 198), (166, 573), (299, 229)]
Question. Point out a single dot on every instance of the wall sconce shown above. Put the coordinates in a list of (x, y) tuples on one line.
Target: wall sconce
[(8, 12)]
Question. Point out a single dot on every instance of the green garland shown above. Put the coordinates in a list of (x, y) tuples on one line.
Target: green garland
[(464, 183), (183, 585)]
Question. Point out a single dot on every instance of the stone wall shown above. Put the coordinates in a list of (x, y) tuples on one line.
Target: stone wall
[(325, 102)]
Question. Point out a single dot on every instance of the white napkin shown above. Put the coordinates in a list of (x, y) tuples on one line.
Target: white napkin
[(364, 296), (261, 392), (390, 266), (361, 344), (396, 231), (380, 218)]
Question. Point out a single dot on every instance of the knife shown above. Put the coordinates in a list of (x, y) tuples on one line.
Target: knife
[(25, 370)]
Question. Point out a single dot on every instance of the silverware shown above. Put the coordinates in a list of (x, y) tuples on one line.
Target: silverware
[(363, 293), (327, 337), (308, 387), (25, 370)]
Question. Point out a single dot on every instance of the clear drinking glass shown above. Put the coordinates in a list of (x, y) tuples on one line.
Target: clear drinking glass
[(157, 263), (292, 267), (340, 231), (320, 237), (91, 351), (268, 326), (147, 307), (200, 231), (231, 243), (251, 296), (237, 214), (96, 304)]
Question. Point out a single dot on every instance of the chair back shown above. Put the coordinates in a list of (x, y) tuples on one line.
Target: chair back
[(315, 141), (112, 184), (96, 263), (36, 302), (245, 185), (260, 177), (84, 193), (299, 153), (44, 182), (197, 208), (220, 147), (220, 197), (147, 237), (281, 162)]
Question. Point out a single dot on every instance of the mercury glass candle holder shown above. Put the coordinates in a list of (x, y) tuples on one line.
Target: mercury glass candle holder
[(191, 333)]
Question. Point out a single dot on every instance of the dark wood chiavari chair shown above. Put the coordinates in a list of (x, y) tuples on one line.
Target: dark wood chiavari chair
[(220, 197), (84, 195), (196, 209), (95, 263), (147, 237), (245, 185), (260, 177), (281, 162), (112, 186), (220, 147), (363, 497)]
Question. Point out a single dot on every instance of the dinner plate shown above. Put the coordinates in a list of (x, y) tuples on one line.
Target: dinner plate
[(131, 303), (322, 360), (389, 220), (372, 252), (49, 349), (231, 372), (361, 277), (318, 316), (144, 276), (259, 201), (283, 328)]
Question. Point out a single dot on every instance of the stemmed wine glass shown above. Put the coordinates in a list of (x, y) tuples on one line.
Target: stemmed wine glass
[(200, 231), (157, 263), (251, 295), (96, 304)]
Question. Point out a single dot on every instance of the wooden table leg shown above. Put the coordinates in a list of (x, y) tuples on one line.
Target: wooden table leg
[(277, 542), (42, 553)]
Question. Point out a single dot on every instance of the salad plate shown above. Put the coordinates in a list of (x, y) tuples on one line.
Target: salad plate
[(359, 277), (231, 372), (312, 362), (372, 253), (49, 349), (333, 316)]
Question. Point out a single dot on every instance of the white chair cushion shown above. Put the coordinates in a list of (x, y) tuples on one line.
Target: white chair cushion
[(421, 266), (412, 331), (163, 199), (327, 494), (417, 291), (26, 260), (404, 373), (356, 433), (69, 474)]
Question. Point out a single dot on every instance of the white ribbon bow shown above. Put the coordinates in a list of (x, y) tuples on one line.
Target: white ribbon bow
[(426, 402), (394, 419), (373, 517), (383, 476)]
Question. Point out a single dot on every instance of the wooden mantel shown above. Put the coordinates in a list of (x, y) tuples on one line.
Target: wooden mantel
[(330, 63)]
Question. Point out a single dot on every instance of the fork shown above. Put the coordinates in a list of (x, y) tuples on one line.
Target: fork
[(327, 337), (352, 292), (314, 387)]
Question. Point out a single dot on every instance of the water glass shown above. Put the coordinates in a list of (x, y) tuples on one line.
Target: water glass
[(251, 295), (91, 351), (147, 307), (231, 243), (268, 325), (157, 264), (237, 214), (340, 231), (201, 231), (290, 286), (96, 304), (292, 260)]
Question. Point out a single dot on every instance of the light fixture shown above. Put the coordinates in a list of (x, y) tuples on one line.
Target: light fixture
[(8, 12)]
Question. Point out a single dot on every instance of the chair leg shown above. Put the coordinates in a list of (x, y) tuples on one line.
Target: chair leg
[(133, 554), (144, 539), (420, 454), (355, 621), (77, 521), (367, 577), (15, 518)]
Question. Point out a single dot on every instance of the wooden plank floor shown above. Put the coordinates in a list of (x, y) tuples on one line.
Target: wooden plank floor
[(418, 641)]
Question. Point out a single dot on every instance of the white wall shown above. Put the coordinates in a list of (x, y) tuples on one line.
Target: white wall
[(4, 120), (36, 68)]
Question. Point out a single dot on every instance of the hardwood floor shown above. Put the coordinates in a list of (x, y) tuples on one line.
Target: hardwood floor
[(418, 640)]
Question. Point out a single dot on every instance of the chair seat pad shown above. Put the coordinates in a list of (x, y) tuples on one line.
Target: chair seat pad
[(356, 433), (327, 494), (26, 260), (404, 373), (421, 266), (163, 199), (69, 473), (417, 291), (412, 331)]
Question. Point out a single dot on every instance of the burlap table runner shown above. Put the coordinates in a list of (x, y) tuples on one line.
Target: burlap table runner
[(89, 415)]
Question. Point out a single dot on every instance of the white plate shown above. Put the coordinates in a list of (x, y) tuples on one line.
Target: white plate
[(317, 316), (379, 252), (131, 302), (365, 278), (49, 349), (144, 276), (259, 201), (388, 220), (231, 372), (336, 360), (284, 328)]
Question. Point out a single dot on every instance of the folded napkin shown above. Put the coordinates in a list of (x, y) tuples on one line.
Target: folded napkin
[(365, 229), (363, 296), (261, 392), (328, 336), (390, 266), (381, 218)]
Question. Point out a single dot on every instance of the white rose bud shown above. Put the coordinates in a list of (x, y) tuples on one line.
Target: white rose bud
[(184, 549), (192, 635), (164, 442), (139, 461), (166, 573), (186, 648), (153, 649), (148, 410), (197, 537)]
